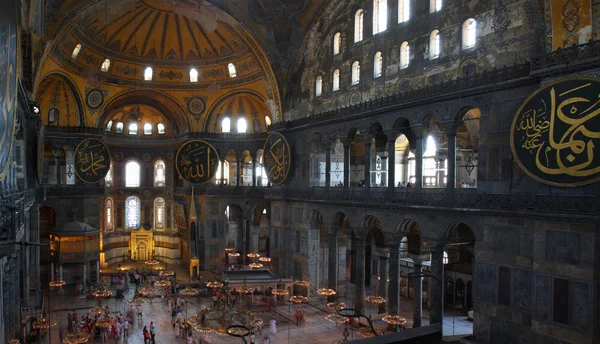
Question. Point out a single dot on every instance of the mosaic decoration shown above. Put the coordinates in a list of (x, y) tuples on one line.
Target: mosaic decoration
[(91, 160), (554, 134), (196, 105), (197, 161), (8, 94), (568, 22), (94, 99), (180, 220), (277, 158), (501, 20)]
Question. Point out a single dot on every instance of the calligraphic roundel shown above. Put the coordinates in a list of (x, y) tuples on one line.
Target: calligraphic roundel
[(555, 135), (197, 161), (91, 160), (277, 158)]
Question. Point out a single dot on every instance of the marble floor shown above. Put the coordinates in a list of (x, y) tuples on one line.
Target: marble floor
[(316, 328)]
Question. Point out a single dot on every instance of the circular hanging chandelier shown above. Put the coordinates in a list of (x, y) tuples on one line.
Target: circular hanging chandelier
[(229, 249), (335, 318), (214, 285), (57, 284), (189, 291), (393, 319), (162, 283), (166, 273), (75, 338), (280, 292), (255, 265), (326, 292), (253, 255), (245, 290), (298, 299), (99, 309), (377, 300), (234, 254), (147, 291), (102, 293), (336, 305), (302, 283), (44, 324), (264, 259), (136, 301), (218, 322), (152, 262)]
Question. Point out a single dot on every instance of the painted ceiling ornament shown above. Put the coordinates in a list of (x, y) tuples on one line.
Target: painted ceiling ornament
[(197, 161), (91, 160), (94, 99), (554, 135), (196, 105), (500, 20), (277, 158)]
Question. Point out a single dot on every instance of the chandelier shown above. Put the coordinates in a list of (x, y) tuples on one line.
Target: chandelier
[(152, 262), (336, 305), (234, 254), (44, 324), (377, 300), (394, 319), (136, 301), (14, 341), (99, 309), (335, 318), (76, 338), (57, 284), (102, 293), (147, 291), (217, 321), (189, 291), (162, 284), (214, 285), (253, 255), (298, 299), (326, 292), (302, 283), (255, 265), (229, 249), (166, 273), (280, 292)]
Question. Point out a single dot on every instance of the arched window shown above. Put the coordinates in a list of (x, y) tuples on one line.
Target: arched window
[(355, 73), (159, 213), (267, 120), (222, 173), (336, 80), (161, 128), (133, 129), (53, 115), (403, 10), (109, 125), (469, 33), (377, 65), (147, 129), (429, 162), (193, 75), (445, 257), (435, 6), (159, 173), (132, 212), (337, 42), (379, 16), (404, 55), (358, 26), (119, 127), (109, 223), (148, 74), (76, 51), (108, 179), (232, 72), (318, 85), (226, 125), (105, 65), (434, 44), (242, 125), (132, 174)]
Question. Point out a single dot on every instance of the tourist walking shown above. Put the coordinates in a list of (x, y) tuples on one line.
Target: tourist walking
[(273, 326), (146, 335), (126, 328), (152, 332)]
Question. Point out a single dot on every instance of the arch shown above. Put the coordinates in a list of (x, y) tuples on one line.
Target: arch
[(46, 88), (461, 225), (469, 33), (404, 55), (403, 10), (148, 73), (380, 15), (377, 65), (355, 73), (337, 43), (358, 25), (147, 128), (165, 104), (246, 103), (242, 125), (336, 80), (232, 71), (105, 65), (132, 129), (318, 85), (434, 44), (339, 223), (133, 174), (132, 212), (234, 212), (109, 220), (372, 225), (159, 173), (159, 213), (193, 75)]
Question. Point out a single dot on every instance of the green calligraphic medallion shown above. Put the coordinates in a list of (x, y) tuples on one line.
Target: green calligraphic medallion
[(8, 88), (277, 158), (91, 161), (555, 135), (197, 161)]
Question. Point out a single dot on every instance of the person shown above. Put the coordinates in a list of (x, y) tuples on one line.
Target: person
[(146, 335), (252, 338), (273, 326), (408, 185), (152, 332), (189, 340), (139, 310), (173, 315), (266, 340), (126, 328), (70, 322)]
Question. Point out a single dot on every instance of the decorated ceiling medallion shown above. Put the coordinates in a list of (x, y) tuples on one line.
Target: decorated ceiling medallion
[(91, 160), (277, 158), (94, 99), (555, 137), (197, 161), (196, 106)]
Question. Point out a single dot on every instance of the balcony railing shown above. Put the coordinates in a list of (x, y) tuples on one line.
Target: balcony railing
[(216, 190), (459, 198), (567, 56)]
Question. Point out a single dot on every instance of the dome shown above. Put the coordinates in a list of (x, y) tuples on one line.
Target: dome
[(243, 105)]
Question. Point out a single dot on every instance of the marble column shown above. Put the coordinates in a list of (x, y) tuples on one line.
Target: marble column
[(327, 167), (417, 292), (254, 172), (383, 277), (368, 145), (394, 272), (451, 173), (238, 173), (223, 172), (84, 277), (97, 271), (391, 164), (436, 286), (57, 152), (313, 255), (419, 163), (254, 230), (332, 276), (359, 301), (346, 165)]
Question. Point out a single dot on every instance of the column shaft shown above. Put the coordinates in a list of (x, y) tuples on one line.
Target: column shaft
[(327, 167), (391, 166), (253, 172), (451, 173), (419, 163), (346, 166), (417, 295), (359, 302), (394, 272), (332, 276), (238, 172), (383, 280), (436, 286), (367, 181)]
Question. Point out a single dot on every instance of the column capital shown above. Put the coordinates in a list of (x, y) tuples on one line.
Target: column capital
[(392, 135), (436, 245), (383, 252)]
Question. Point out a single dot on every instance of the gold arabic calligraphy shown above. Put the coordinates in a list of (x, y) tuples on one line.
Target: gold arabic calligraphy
[(277, 159), (195, 162), (558, 131), (92, 160)]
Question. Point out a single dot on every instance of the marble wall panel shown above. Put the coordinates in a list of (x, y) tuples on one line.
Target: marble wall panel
[(563, 247), (542, 296), (582, 306), (506, 239), (522, 289), (486, 285), (507, 332), (526, 242)]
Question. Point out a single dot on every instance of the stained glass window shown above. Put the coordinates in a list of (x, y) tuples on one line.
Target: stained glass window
[(159, 213), (109, 214), (132, 212), (159, 173)]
